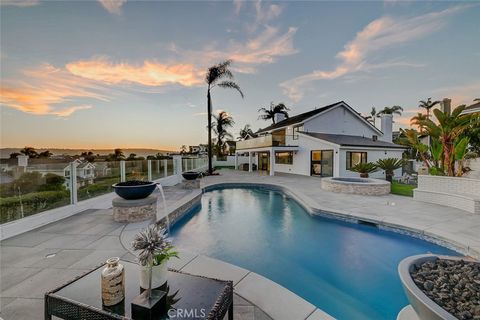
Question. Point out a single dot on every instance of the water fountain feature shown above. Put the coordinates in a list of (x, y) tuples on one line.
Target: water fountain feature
[(159, 186)]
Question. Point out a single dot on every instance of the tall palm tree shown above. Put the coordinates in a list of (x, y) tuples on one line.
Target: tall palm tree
[(391, 110), (450, 127), (272, 111), (373, 113), (417, 121), (245, 132), (427, 105), (221, 76), (223, 121)]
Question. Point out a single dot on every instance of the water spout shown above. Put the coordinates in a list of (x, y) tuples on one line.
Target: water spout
[(159, 186)]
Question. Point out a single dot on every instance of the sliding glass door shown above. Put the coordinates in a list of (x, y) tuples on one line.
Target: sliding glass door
[(322, 163)]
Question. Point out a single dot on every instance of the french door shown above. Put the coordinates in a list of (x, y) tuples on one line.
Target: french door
[(321, 163)]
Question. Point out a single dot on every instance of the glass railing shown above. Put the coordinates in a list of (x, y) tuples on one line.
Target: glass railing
[(47, 186), (106, 173), (262, 141), (32, 192)]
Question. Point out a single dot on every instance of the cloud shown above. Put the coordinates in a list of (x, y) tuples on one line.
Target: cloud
[(380, 34), (460, 94), (265, 13), (113, 6), (46, 91), (150, 73), (238, 4), (20, 3), (264, 48)]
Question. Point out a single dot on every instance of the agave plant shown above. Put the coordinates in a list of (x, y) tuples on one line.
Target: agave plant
[(364, 168), (150, 243), (389, 165)]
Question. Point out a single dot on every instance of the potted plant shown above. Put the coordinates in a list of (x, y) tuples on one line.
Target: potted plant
[(364, 168), (154, 250), (389, 165)]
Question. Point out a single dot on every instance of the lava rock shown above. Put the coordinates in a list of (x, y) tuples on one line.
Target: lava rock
[(452, 284)]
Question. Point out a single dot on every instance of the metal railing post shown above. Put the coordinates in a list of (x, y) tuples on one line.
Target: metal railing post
[(122, 171), (73, 183), (149, 169), (165, 168)]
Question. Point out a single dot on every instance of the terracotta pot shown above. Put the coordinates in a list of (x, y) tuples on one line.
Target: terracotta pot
[(159, 276), (363, 175)]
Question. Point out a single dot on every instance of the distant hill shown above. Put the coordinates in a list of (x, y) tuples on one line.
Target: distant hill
[(5, 152)]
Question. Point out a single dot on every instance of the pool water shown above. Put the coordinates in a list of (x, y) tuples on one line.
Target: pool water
[(348, 270)]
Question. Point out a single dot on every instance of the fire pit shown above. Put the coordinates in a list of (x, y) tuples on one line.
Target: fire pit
[(134, 189), (190, 175)]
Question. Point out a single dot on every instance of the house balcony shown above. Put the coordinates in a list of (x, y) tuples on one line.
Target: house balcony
[(266, 141)]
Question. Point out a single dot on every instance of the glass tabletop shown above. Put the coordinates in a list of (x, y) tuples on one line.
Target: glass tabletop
[(190, 295)]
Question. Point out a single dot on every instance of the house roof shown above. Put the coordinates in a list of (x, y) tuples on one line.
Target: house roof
[(306, 115), (353, 141), (298, 118), (231, 143), (472, 108), (48, 166)]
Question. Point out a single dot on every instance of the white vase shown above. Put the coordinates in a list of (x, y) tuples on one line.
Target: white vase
[(159, 275)]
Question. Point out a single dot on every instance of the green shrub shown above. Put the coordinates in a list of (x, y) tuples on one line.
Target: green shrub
[(10, 208)]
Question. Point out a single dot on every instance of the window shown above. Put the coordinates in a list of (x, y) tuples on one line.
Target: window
[(354, 158), (296, 130), (284, 157)]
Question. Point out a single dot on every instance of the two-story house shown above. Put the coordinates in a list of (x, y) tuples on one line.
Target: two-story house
[(324, 142)]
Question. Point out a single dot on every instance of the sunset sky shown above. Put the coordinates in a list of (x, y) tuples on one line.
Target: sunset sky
[(104, 74)]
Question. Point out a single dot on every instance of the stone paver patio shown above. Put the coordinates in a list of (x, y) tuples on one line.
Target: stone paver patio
[(37, 261)]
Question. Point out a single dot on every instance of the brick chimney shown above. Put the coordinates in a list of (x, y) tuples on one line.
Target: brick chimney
[(447, 105), (386, 125), (279, 117)]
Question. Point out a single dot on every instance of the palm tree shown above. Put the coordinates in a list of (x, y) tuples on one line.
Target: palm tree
[(450, 127), (417, 121), (389, 165), (221, 76), (223, 121), (183, 149), (245, 132), (364, 168), (427, 105), (272, 111), (391, 110), (373, 113)]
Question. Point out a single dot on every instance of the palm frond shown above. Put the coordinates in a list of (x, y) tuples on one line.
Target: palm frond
[(231, 85)]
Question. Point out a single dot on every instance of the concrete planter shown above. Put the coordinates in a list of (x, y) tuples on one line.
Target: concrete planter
[(425, 308)]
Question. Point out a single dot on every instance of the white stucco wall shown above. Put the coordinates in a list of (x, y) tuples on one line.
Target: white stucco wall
[(372, 156), (340, 121), (301, 159)]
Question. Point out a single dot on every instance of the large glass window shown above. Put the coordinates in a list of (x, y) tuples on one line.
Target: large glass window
[(284, 157), (354, 158)]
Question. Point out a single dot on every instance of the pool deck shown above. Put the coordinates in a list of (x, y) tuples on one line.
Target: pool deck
[(82, 241)]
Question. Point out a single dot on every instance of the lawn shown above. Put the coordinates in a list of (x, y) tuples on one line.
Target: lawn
[(402, 189)]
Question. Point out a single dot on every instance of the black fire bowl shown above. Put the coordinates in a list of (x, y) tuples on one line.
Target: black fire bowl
[(133, 190), (190, 175)]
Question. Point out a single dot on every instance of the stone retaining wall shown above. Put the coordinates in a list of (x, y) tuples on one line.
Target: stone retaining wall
[(374, 188)]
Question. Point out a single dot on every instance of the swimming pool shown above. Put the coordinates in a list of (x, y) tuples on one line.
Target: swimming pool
[(348, 270)]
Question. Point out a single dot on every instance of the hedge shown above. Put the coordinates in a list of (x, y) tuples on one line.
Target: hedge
[(10, 208)]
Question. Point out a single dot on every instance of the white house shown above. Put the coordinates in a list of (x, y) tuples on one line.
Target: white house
[(85, 171), (324, 142)]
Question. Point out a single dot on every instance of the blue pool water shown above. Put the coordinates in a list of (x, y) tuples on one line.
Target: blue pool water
[(349, 270)]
